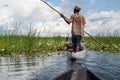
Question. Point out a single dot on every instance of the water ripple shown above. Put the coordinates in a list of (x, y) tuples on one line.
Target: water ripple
[(107, 66)]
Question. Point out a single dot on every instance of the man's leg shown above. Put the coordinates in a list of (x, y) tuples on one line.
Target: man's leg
[(77, 48), (78, 43), (74, 42)]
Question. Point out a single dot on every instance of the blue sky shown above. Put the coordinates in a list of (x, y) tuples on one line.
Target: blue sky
[(95, 4), (106, 4), (102, 16), (54, 2)]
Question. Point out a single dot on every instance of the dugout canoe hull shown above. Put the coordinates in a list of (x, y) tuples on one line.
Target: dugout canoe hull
[(84, 74)]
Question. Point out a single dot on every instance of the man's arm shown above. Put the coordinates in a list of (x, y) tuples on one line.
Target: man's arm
[(83, 20), (65, 18)]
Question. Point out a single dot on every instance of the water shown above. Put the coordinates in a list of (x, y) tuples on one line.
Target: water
[(107, 66)]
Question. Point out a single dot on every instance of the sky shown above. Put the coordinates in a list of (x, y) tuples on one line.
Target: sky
[(23, 16)]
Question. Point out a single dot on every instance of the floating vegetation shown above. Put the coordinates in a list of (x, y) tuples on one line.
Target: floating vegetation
[(111, 43), (30, 44), (35, 45)]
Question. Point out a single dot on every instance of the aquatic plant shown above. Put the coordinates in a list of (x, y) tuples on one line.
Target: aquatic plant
[(111, 43), (30, 44)]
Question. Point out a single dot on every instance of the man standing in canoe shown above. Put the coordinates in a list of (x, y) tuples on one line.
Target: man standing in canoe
[(78, 23)]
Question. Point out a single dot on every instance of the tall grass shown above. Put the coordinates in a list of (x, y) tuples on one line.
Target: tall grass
[(30, 44), (111, 43), (11, 43)]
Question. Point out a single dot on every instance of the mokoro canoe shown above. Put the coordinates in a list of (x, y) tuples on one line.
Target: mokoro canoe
[(83, 74), (78, 55)]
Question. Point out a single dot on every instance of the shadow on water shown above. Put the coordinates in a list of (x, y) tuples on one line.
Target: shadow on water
[(107, 66)]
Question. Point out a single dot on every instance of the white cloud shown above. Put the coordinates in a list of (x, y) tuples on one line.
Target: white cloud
[(27, 11), (63, 0), (57, 27), (45, 20), (92, 1), (103, 22)]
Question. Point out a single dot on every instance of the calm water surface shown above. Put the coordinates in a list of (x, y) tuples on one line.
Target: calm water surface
[(107, 66)]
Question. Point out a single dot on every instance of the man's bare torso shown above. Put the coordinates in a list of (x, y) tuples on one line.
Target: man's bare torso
[(77, 24)]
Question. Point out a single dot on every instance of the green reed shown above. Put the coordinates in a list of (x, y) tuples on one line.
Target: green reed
[(111, 43), (31, 44)]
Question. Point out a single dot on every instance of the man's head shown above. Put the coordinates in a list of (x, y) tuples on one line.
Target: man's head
[(76, 9)]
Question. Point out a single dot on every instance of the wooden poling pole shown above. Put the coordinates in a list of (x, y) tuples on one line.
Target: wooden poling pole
[(51, 7), (94, 38)]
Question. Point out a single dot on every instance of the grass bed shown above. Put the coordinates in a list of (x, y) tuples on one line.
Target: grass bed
[(30, 44)]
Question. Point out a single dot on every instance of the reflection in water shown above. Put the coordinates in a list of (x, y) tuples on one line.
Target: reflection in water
[(107, 66), (17, 67), (58, 64)]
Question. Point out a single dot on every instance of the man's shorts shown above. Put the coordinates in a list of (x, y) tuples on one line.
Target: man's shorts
[(76, 39)]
